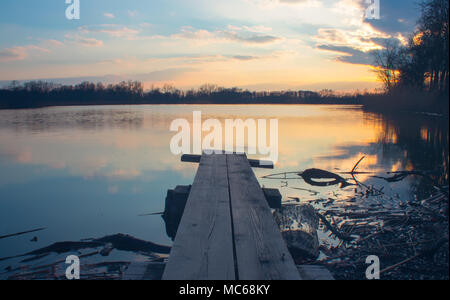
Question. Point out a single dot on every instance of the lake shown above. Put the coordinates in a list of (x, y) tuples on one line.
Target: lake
[(88, 172)]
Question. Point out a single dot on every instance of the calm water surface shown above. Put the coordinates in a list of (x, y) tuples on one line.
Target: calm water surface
[(87, 172)]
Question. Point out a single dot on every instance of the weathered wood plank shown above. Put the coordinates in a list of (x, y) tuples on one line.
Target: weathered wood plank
[(313, 272), (144, 271), (261, 252), (255, 163), (203, 247)]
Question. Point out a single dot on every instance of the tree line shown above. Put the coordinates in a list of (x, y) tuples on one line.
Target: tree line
[(422, 64), (40, 94)]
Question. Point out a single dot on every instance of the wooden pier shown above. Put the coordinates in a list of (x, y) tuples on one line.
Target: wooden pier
[(227, 231)]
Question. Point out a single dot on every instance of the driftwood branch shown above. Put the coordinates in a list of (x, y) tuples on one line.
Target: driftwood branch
[(21, 233), (336, 232)]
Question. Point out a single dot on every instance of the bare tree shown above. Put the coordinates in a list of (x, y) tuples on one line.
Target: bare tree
[(387, 65)]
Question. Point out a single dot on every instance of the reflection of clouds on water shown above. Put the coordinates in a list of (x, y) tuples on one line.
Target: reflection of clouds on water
[(124, 142), (114, 154), (129, 142), (57, 118)]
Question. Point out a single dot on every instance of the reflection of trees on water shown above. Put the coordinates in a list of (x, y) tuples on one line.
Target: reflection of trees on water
[(423, 141)]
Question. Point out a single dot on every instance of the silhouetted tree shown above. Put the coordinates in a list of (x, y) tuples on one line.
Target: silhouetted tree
[(39, 93), (387, 65), (432, 40), (424, 62)]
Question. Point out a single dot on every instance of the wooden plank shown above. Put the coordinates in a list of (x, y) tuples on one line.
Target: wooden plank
[(261, 253), (314, 272), (203, 246), (144, 271), (255, 163), (135, 271)]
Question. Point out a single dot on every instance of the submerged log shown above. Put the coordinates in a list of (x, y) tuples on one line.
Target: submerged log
[(273, 197), (175, 203), (21, 233)]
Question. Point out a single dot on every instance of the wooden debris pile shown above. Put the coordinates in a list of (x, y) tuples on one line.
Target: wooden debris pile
[(411, 242), (97, 268)]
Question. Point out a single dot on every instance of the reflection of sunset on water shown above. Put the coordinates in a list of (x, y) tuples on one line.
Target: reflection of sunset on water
[(124, 142)]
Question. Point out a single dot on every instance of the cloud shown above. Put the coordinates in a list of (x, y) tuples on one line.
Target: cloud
[(244, 57), (188, 32), (248, 35), (113, 30), (272, 3), (395, 16), (398, 16), (252, 39), (293, 1), (355, 56), (163, 75), (357, 38), (13, 54), (362, 38), (89, 42), (349, 55), (109, 15), (20, 53), (54, 42), (255, 28), (80, 40)]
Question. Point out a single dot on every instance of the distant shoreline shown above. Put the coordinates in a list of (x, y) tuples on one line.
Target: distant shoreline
[(44, 94), (40, 94), (174, 104)]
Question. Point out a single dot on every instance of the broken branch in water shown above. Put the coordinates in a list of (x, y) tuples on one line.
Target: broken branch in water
[(21, 233), (151, 214), (307, 190), (356, 165), (284, 175), (119, 241), (310, 174), (336, 232)]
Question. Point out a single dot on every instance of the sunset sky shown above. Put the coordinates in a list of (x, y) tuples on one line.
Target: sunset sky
[(254, 44)]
